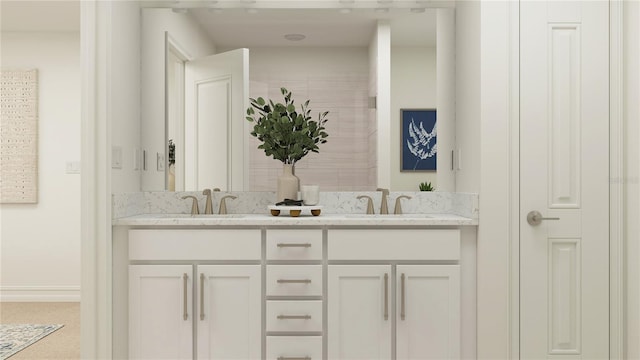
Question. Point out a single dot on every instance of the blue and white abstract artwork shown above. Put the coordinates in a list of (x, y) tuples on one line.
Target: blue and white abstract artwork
[(419, 145)]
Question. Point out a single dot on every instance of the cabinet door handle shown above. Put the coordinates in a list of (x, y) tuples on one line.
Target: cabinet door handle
[(201, 296), (185, 313), (301, 281), (293, 358), (402, 299), (303, 245), (294, 317), (386, 296)]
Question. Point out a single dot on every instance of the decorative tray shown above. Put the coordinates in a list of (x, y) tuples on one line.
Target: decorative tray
[(295, 211)]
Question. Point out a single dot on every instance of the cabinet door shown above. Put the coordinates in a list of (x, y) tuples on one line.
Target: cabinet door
[(428, 311), (359, 312), (160, 316), (229, 311)]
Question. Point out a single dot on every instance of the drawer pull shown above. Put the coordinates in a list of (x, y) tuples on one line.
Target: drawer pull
[(185, 313), (305, 245), (201, 296), (402, 298), (294, 317), (293, 358), (386, 296), (302, 281)]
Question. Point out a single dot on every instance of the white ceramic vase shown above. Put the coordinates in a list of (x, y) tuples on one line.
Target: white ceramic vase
[(288, 184)]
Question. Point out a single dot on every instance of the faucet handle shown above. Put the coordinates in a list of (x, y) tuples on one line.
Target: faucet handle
[(216, 189), (369, 203), (385, 192), (206, 192), (398, 208), (223, 204), (195, 210)]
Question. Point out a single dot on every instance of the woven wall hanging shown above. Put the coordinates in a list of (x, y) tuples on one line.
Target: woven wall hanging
[(19, 136)]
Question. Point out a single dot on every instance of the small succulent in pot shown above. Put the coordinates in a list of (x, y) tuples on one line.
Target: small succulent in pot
[(287, 134), (426, 186)]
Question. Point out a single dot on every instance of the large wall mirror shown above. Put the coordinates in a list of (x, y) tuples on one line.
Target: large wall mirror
[(200, 65)]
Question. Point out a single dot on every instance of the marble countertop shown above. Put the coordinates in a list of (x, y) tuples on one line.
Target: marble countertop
[(302, 220)]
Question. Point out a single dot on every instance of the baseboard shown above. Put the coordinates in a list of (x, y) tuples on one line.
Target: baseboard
[(40, 293)]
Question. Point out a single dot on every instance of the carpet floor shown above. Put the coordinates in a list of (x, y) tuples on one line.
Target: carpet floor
[(61, 344)]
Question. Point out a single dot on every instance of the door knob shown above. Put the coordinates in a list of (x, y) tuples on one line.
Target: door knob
[(534, 218)]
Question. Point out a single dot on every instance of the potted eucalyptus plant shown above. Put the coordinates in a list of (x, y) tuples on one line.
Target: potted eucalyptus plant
[(287, 134)]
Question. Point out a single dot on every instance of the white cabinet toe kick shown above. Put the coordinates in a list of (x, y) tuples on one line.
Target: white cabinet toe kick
[(295, 293)]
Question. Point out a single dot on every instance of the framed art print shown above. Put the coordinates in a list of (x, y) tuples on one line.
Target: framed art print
[(418, 140)]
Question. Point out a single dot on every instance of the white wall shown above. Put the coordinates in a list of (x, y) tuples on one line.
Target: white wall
[(124, 74), (335, 80), (194, 41), (413, 86), (382, 48), (41, 242), (632, 176)]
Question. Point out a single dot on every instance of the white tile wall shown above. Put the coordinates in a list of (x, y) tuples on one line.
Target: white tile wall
[(335, 80)]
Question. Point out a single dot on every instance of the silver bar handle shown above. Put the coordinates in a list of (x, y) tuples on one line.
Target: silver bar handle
[(293, 358), (201, 296), (301, 281), (386, 296), (535, 218), (294, 317), (185, 313), (302, 245), (402, 299)]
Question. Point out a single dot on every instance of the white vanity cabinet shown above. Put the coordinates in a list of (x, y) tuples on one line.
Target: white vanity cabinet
[(418, 299), (227, 297)]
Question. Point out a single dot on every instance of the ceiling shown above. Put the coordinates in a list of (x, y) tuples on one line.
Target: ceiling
[(51, 15), (322, 27)]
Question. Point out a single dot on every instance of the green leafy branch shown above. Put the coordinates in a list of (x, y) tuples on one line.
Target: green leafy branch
[(286, 134)]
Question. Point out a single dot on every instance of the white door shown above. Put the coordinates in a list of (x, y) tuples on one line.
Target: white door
[(216, 99), (564, 167), (229, 312), (160, 316), (359, 312), (427, 312)]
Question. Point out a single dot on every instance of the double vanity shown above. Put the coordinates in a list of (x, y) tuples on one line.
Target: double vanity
[(253, 286)]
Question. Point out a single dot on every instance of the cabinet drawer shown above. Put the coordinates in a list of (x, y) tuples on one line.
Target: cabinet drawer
[(294, 244), (382, 244), (294, 315), (195, 244), (294, 347), (294, 280)]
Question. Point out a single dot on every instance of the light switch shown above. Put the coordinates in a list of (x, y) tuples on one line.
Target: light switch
[(160, 162), (136, 159), (116, 157), (73, 167)]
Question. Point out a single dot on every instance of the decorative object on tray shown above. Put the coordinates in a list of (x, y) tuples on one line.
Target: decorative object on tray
[(419, 140), (310, 194), (286, 135), (17, 337)]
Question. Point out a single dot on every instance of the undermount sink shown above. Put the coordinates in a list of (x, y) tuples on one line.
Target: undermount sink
[(400, 216), (204, 216)]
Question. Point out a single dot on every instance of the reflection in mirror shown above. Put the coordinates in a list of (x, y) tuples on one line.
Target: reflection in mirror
[(339, 65), (175, 60)]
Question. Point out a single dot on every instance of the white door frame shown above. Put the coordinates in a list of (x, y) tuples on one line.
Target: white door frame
[(616, 188)]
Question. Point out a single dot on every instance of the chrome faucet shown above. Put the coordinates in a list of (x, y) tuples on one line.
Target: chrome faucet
[(223, 204), (398, 208), (195, 210), (208, 208), (384, 207)]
